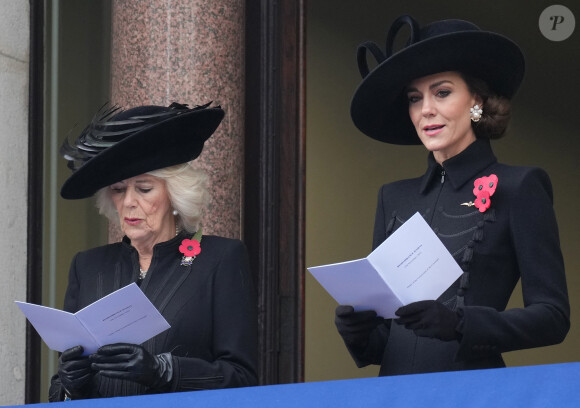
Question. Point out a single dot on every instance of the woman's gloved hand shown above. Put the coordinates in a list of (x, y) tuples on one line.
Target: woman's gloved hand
[(355, 327), (74, 371), (134, 363), (429, 318)]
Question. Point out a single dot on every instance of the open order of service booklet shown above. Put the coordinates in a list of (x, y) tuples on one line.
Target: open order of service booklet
[(124, 316), (409, 266)]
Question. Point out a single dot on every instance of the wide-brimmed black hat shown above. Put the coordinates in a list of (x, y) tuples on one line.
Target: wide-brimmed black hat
[(379, 107), (118, 144)]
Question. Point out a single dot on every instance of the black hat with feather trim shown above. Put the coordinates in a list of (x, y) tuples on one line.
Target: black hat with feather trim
[(120, 144), (379, 107)]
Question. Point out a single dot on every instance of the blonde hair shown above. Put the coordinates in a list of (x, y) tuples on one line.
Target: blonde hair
[(188, 192)]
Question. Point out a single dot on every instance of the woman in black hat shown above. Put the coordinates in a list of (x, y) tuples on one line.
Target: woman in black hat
[(137, 163), (449, 89)]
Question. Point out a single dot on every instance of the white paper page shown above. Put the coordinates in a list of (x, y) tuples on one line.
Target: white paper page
[(124, 316), (358, 284), (60, 330), (415, 263)]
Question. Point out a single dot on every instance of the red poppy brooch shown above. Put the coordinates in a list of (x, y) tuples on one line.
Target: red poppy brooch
[(190, 248), (483, 189)]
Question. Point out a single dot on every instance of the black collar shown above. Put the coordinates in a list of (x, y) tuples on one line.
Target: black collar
[(462, 167), (166, 247)]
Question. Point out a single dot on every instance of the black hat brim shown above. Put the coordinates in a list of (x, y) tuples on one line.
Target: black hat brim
[(174, 141), (379, 106)]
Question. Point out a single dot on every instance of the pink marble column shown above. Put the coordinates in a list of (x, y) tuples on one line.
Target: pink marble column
[(192, 52)]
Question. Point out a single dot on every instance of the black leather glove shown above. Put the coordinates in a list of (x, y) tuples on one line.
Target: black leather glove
[(134, 363), (429, 318), (74, 371), (355, 327)]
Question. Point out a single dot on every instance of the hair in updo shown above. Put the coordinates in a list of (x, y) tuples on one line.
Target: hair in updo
[(496, 110)]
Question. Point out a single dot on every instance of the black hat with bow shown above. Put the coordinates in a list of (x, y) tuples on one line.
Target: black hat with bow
[(379, 107), (119, 144)]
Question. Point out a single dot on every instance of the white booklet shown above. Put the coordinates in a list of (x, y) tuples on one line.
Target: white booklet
[(124, 316), (409, 266)]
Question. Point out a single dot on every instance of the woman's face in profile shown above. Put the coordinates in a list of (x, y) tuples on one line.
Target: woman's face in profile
[(144, 209), (439, 107)]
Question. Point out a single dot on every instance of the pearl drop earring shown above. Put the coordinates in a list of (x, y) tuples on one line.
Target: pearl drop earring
[(475, 113)]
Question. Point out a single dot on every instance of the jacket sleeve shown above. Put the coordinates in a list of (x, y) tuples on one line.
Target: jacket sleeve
[(545, 318), (234, 331), (379, 232)]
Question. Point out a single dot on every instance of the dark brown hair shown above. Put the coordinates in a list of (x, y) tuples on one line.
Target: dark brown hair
[(496, 110)]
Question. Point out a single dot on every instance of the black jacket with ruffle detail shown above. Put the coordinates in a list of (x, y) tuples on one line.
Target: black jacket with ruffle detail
[(515, 238)]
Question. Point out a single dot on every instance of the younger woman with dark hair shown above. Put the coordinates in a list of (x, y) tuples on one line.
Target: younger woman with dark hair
[(449, 89)]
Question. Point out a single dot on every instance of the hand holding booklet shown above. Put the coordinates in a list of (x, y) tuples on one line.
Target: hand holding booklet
[(409, 266), (124, 316)]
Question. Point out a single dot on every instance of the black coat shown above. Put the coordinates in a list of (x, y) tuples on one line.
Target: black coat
[(516, 238), (210, 306)]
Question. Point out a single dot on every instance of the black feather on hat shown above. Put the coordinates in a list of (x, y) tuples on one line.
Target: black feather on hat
[(379, 107), (119, 144)]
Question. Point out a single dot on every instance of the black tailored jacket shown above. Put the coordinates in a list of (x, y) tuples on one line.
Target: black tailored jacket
[(516, 238), (210, 305)]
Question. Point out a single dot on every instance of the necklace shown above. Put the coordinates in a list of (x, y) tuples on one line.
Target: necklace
[(142, 273)]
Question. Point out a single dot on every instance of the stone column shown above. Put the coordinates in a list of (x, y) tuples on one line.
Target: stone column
[(14, 108), (191, 52)]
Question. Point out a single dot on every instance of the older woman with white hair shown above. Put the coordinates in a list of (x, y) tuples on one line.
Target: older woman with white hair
[(187, 188), (137, 162)]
